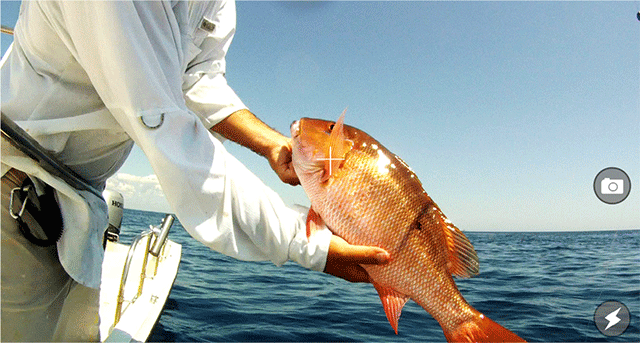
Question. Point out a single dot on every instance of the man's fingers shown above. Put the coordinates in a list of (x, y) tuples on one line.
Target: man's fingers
[(344, 260), (349, 272), (289, 176), (356, 254), (281, 163)]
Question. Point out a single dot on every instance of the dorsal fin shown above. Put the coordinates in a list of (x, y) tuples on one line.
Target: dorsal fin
[(462, 259), (339, 146)]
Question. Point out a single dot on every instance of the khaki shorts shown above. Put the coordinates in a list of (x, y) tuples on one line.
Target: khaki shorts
[(40, 301)]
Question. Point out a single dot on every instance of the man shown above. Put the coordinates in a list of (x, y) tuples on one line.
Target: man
[(87, 80)]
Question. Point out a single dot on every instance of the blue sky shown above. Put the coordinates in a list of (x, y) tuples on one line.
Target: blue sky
[(505, 110)]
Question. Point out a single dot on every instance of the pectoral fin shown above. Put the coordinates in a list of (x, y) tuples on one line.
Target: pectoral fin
[(393, 302)]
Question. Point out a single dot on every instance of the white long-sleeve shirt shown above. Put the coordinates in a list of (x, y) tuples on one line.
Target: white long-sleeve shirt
[(88, 79)]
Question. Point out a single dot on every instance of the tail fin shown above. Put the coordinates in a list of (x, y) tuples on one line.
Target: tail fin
[(481, 329)]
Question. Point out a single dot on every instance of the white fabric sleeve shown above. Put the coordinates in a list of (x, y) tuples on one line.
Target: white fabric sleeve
[(205, 86), (212, 99), (131, 52)]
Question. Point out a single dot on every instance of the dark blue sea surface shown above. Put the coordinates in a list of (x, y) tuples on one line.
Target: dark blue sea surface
[(544, 286)]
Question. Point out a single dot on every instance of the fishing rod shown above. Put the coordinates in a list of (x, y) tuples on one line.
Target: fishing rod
[(29, 146)]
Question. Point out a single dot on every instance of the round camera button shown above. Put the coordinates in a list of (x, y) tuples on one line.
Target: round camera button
[(612, 185)]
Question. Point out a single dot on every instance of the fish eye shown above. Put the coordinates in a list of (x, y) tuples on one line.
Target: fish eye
[(330, 128)]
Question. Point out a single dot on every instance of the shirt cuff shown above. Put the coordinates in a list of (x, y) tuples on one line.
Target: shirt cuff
[(213, 119), (311, 253)]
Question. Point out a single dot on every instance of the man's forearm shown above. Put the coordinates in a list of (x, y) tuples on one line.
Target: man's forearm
[(247, 130), (244, 128)]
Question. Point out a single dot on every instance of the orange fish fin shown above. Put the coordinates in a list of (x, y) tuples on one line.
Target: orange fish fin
[(328, 170), (314, 223), (462, 259), (481, 329), (393, 302), (339, 146)]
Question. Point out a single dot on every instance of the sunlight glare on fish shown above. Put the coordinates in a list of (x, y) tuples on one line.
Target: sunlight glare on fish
[(383, 162)]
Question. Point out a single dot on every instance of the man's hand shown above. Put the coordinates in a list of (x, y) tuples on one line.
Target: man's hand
[(247, 130), (344, 259), (281, 162)]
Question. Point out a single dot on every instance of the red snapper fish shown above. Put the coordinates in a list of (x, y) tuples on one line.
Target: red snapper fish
[(369, 196)]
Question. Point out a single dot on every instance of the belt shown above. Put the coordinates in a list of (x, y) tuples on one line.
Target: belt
[(35, 209), (14, 176)]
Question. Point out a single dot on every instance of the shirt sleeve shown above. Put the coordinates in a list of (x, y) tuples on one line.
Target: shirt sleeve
[(205, 86), (131, 51)]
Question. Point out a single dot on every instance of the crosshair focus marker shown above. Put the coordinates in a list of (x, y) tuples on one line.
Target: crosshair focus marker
[(330, 159)]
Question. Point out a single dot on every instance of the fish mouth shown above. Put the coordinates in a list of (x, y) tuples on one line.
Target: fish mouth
[(295, 129)]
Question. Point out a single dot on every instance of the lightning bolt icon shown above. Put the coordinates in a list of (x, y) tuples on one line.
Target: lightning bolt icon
[(612, 318)]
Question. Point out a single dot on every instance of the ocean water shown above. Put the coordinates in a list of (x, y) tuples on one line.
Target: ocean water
[(544, 286)]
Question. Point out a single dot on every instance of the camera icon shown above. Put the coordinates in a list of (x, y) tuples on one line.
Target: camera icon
[(612, 186)]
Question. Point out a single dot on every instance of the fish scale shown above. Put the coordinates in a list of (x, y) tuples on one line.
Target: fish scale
[(369, 196)]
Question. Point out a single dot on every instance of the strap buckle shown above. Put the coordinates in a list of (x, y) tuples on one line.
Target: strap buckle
[(39, 217), (23, 194)]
